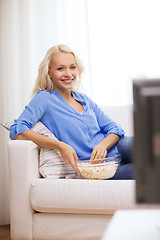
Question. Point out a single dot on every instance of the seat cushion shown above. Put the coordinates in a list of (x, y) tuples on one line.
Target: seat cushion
[(82, 195)]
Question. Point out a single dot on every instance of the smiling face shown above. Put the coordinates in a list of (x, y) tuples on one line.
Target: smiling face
[(63, 71)]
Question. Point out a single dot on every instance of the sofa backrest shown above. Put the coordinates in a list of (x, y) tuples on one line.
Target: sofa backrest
[(122, 115)]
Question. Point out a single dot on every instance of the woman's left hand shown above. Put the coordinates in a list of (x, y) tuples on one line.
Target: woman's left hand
[(99, 152)]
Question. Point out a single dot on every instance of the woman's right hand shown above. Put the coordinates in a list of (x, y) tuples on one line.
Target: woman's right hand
[(69, 155)]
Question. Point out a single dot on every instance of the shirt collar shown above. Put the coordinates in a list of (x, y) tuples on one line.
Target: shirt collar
[(77, 96)]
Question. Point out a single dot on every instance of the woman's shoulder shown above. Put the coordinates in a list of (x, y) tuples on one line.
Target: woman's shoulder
[(42, 94), (40, 97)]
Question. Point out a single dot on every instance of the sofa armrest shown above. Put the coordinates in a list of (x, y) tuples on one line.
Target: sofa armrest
[(23, 170)]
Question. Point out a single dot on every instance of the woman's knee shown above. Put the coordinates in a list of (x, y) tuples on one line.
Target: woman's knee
[(125, 148)]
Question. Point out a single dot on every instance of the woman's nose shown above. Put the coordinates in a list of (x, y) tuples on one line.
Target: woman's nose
[(68, 73)]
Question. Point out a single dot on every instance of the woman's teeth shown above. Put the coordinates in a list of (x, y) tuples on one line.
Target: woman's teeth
[(67, 80)]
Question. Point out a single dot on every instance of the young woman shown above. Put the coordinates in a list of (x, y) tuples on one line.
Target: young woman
[(81, 127)]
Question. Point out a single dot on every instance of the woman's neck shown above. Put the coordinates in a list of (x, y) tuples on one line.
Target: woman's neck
[(66, 95)]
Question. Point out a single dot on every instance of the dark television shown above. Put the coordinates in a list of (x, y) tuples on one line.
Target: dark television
[(146, 96)]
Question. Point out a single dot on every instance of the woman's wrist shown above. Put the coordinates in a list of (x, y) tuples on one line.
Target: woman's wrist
[(60, 145), (110, 141)]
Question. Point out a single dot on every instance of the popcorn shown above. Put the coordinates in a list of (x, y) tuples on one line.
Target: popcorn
[(103, 170)]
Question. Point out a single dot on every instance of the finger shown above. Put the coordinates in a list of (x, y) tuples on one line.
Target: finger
[(93, 154), (66, 160), (75, 168), (75, 156), (103, 155), (100, 155), (73, 163)]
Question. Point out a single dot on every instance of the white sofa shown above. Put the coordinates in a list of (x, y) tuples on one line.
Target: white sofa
[(64, 209)]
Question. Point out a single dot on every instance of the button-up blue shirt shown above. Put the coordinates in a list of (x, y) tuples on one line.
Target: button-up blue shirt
[(82, 130)]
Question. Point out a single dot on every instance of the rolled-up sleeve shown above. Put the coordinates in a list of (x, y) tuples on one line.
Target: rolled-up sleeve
[(106, 124), (31, 114)]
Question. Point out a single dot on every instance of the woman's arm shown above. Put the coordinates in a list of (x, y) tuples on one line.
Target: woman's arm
[(40, 140), (67, 152), (100, 150)]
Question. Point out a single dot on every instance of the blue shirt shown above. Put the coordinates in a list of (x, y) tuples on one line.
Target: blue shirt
[(82, 130)]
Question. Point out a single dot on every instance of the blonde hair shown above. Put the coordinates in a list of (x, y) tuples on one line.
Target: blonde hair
[(43, 81)]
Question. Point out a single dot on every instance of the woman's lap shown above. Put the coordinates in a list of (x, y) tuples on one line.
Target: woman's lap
[(124, 172)]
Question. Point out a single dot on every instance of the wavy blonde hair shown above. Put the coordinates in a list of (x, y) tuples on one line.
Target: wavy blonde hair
[(43, 81)]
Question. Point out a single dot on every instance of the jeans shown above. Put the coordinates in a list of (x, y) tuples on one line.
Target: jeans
[(125, 169)]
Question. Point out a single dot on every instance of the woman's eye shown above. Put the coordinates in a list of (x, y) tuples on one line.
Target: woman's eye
[(73, 67), (60, 69)]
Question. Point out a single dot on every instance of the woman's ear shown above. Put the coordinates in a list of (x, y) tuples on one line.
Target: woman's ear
[(49, 75)]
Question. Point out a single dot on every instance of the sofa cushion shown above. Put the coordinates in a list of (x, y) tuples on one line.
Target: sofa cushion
[(82, 195)]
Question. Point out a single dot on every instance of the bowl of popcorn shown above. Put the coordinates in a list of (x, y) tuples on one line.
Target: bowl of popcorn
[(99, 168)]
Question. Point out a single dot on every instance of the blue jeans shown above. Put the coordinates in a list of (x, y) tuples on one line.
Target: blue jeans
[(125, 169)]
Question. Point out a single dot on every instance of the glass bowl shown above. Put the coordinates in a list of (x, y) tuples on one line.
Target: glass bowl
[(99, 168)]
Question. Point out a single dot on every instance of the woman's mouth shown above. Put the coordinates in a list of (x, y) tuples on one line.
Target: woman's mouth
[(67, 81)]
